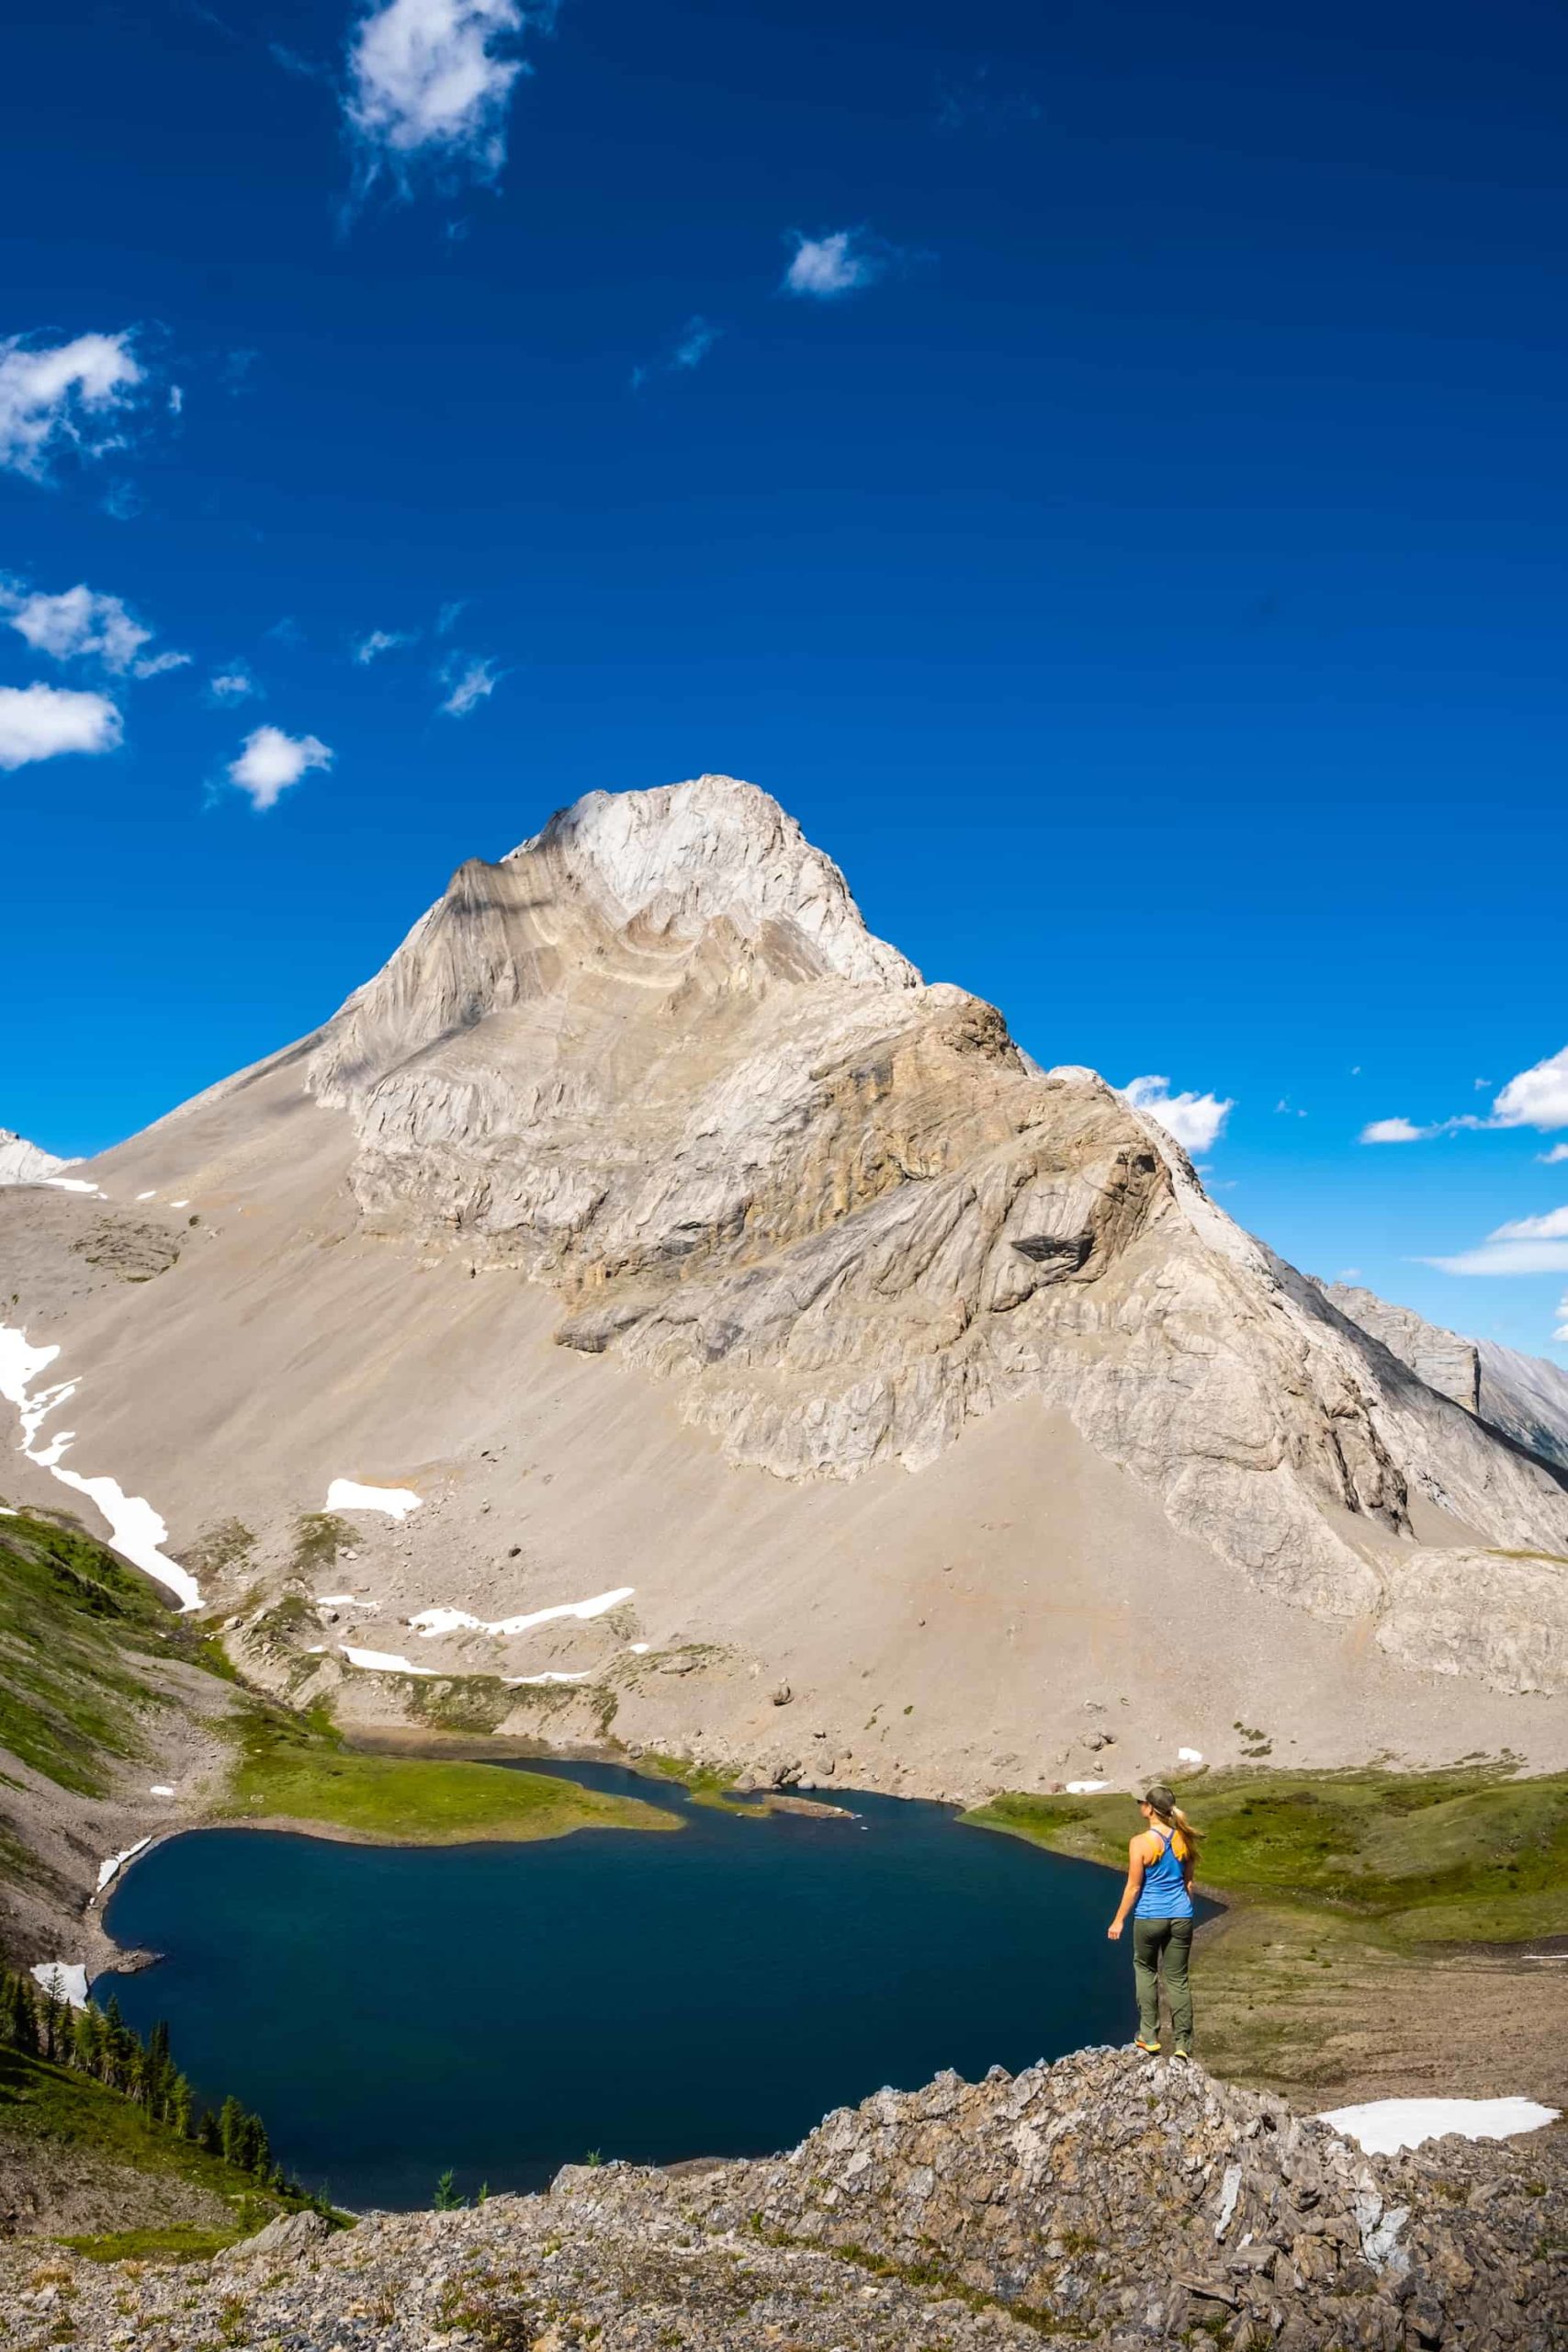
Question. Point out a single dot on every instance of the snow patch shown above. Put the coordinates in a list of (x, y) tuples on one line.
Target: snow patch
[(1383, 2126), (76, 1184), (343, 1600), (1190, 1755), (160, 1789), (135, 1529), (514, 1681), (147, 1196), (179, 1205), (451, 1620), (117, 1862), (64, 1980), (1087, 1788), (347, 1494), (382, 1661)]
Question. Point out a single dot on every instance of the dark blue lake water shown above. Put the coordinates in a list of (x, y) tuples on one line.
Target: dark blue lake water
[(505, 2010)]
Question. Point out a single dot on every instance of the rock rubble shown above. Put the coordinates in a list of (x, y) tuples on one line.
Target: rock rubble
[(1100, 2200)]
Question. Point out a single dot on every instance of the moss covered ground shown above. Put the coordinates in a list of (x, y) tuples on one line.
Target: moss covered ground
[(298, 1768)]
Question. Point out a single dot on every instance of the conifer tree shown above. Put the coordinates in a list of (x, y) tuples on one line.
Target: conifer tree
[(177, 2112), (230, 2129), (208, 2133)]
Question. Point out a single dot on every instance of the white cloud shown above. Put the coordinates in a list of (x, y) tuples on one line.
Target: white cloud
[(470, 683), (38, 722), (1195, 1121), (1552, 1226), (1394, 1131), (839, 263), (1538, 1097), (1554, 1158), (1527, 1245), (430, 80), (380, 640), (1507, 1257), (80, 623), (270, 762), (232, 685), (446, 619), (1561, 1330), (68, 392)]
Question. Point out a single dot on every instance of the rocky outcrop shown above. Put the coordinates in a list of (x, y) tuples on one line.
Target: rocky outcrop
[(1100, 2201), (1444, 1361)]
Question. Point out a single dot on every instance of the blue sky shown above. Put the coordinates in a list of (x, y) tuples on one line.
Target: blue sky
[(1102, 467)]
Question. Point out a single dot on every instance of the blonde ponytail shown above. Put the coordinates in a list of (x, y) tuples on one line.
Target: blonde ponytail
[(1186, 1840)]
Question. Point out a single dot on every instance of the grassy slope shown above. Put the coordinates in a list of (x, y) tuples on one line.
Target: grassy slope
[(297, 1770), (80, 1636), (1418, 1858), (1338, 1966), (53, 2117)]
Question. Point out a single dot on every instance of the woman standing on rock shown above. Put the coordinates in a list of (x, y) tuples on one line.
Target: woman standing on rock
[(1158, 1894)]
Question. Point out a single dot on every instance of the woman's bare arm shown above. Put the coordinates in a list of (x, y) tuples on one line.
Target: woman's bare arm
[(1133, 1888)]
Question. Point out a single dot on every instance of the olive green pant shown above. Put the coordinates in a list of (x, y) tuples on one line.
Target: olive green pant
[(1163, 1944)]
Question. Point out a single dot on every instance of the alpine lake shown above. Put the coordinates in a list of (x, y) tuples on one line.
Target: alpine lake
[(502, 2010)]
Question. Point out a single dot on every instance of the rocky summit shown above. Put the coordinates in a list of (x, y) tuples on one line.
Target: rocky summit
[(1103, 2200), (669, 1299)]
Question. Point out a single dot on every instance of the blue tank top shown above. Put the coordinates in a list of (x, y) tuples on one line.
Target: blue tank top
[(1163, 1892)]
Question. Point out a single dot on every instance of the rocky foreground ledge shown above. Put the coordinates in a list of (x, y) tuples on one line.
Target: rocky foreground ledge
[(1102, 2201)]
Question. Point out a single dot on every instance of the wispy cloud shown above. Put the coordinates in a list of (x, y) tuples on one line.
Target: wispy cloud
[(840, 262), (447, 617), (977, 103), (1194, 1121), (471, 682), (73, 395), (231, 686), (429, 81), (80, 623), (1527, 1245), (39, 722), (688, 350), (1561, 1330), (380, 642), (270, 762), (1555, 1157)]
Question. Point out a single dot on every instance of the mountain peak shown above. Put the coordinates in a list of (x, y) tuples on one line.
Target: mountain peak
[(678, 856), (22, 1162)]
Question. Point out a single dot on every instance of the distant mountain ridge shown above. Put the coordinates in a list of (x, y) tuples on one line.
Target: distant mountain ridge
[(22, 1162), (1525, 1397)]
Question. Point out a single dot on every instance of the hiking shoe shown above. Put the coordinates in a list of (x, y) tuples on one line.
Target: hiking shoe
[(1179, 2052), (1149, 2049)]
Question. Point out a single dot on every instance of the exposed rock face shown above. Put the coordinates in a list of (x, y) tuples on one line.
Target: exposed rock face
[(1100, 2200), (1527, 1397), (1444, 1361), (22, 1162)]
